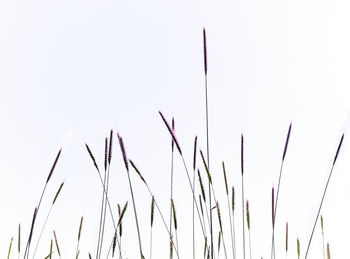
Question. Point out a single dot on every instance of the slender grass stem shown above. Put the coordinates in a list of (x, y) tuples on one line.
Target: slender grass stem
[(323, 248), (105, 192), (229, 207), (26, 252), (242, 171), (9, 252), (155, 201), (171, 186), (194, 190), (98, 255), (278, 190), (324, 193)]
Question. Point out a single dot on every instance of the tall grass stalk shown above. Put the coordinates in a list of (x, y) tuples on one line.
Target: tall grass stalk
[(26, 252), (51, 249), (175, 226), (121, 143), (152, 218), (9, 252), (171, 184), (56, 242), (79, 235), (108, 160), (155, 201), (194, 190), (19, 240), (248, 225), (207, 130), (286, 239), (103, 201), (233, 221), (185, 167), (47, 217), (214, 196), (104, 190), (323, 248), (220, 224), (229, 208), (324, 193), (278, 189), (242, 172)]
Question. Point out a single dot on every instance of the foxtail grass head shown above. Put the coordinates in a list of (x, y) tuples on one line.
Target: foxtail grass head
[(224, 170), (137, 171), (110, 147), (287, 141), (92, 157), (174, 214), (298, 248), (328, 252), (206, 167), (152, 211), (122, 148), (173, 128), (58, 192), (339, 146), (106, 154), (248, 215), (233, 199), (201, 185), (80, 227), (54, 165), (172, 133), (56, 242), (219, 214), (195, 153)]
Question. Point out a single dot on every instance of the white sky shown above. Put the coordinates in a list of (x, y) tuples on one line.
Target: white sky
[(72, 70)]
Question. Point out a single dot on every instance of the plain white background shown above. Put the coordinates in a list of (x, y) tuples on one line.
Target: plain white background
[(72, 70)]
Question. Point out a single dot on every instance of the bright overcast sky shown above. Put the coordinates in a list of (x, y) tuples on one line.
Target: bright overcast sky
[(72, 70)]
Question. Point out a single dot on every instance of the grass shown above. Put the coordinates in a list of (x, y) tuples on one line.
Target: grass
[(202, 199)]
